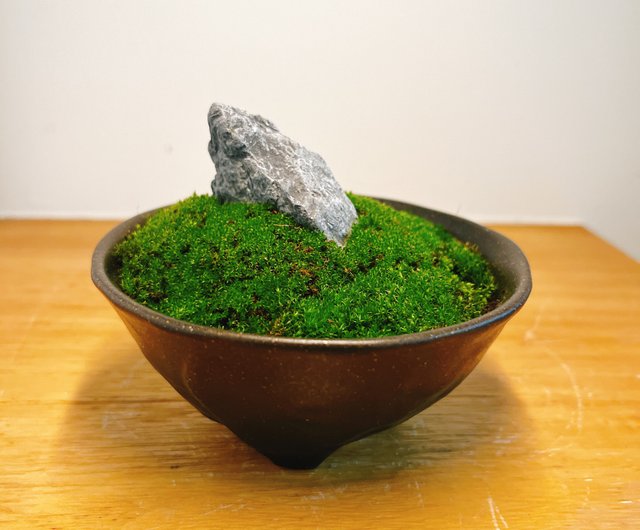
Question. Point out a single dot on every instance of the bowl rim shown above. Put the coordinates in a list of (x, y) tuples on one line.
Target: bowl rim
[(517, 265)]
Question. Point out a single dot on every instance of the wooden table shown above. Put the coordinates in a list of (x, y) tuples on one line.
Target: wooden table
[(544, 434)]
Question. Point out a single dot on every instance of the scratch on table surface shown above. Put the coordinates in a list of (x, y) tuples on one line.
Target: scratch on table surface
[(231, 507), (579, 414), (496, 516), (419, 490), (586, 500), (45, 299), (318, 496), (417, 427), (505, 439), (552, 450), (530, 334), (116, 420), (131, 373)]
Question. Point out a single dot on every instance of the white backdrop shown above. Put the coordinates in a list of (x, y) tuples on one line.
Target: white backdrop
[(499, 111)]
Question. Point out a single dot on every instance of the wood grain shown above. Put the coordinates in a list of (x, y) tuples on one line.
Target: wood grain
[(544, 434)]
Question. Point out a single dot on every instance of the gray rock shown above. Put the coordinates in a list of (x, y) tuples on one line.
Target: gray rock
[(257, 163)]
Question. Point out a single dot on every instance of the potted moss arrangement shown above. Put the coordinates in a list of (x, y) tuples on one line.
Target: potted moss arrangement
[(300, 317)]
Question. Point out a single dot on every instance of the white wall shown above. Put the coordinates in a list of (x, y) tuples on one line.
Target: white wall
[(500, 111)]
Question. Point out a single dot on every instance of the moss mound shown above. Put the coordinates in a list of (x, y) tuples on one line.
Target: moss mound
[(248, 268)]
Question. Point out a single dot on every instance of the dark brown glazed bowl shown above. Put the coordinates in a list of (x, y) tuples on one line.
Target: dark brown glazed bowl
[(298, 400)]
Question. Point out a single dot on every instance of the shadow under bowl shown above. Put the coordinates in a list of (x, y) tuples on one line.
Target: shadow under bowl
[(298, 400)]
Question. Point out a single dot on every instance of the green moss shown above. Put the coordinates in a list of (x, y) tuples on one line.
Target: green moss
[(248, 268)]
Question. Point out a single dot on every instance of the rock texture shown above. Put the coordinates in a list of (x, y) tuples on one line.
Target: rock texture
[(257, 163)]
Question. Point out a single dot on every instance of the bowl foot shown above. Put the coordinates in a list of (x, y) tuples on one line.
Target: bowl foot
[(298, 460)]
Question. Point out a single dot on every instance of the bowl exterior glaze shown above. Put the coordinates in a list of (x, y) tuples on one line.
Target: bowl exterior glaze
[(298, 400)]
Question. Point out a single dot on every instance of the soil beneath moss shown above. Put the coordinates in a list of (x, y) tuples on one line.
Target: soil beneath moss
[(251, 269)]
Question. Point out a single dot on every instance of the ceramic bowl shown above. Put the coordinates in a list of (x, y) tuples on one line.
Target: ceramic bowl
[(298, 400)]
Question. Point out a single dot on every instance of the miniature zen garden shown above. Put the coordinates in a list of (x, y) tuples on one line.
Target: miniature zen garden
[(280, 249), (297, 315)]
